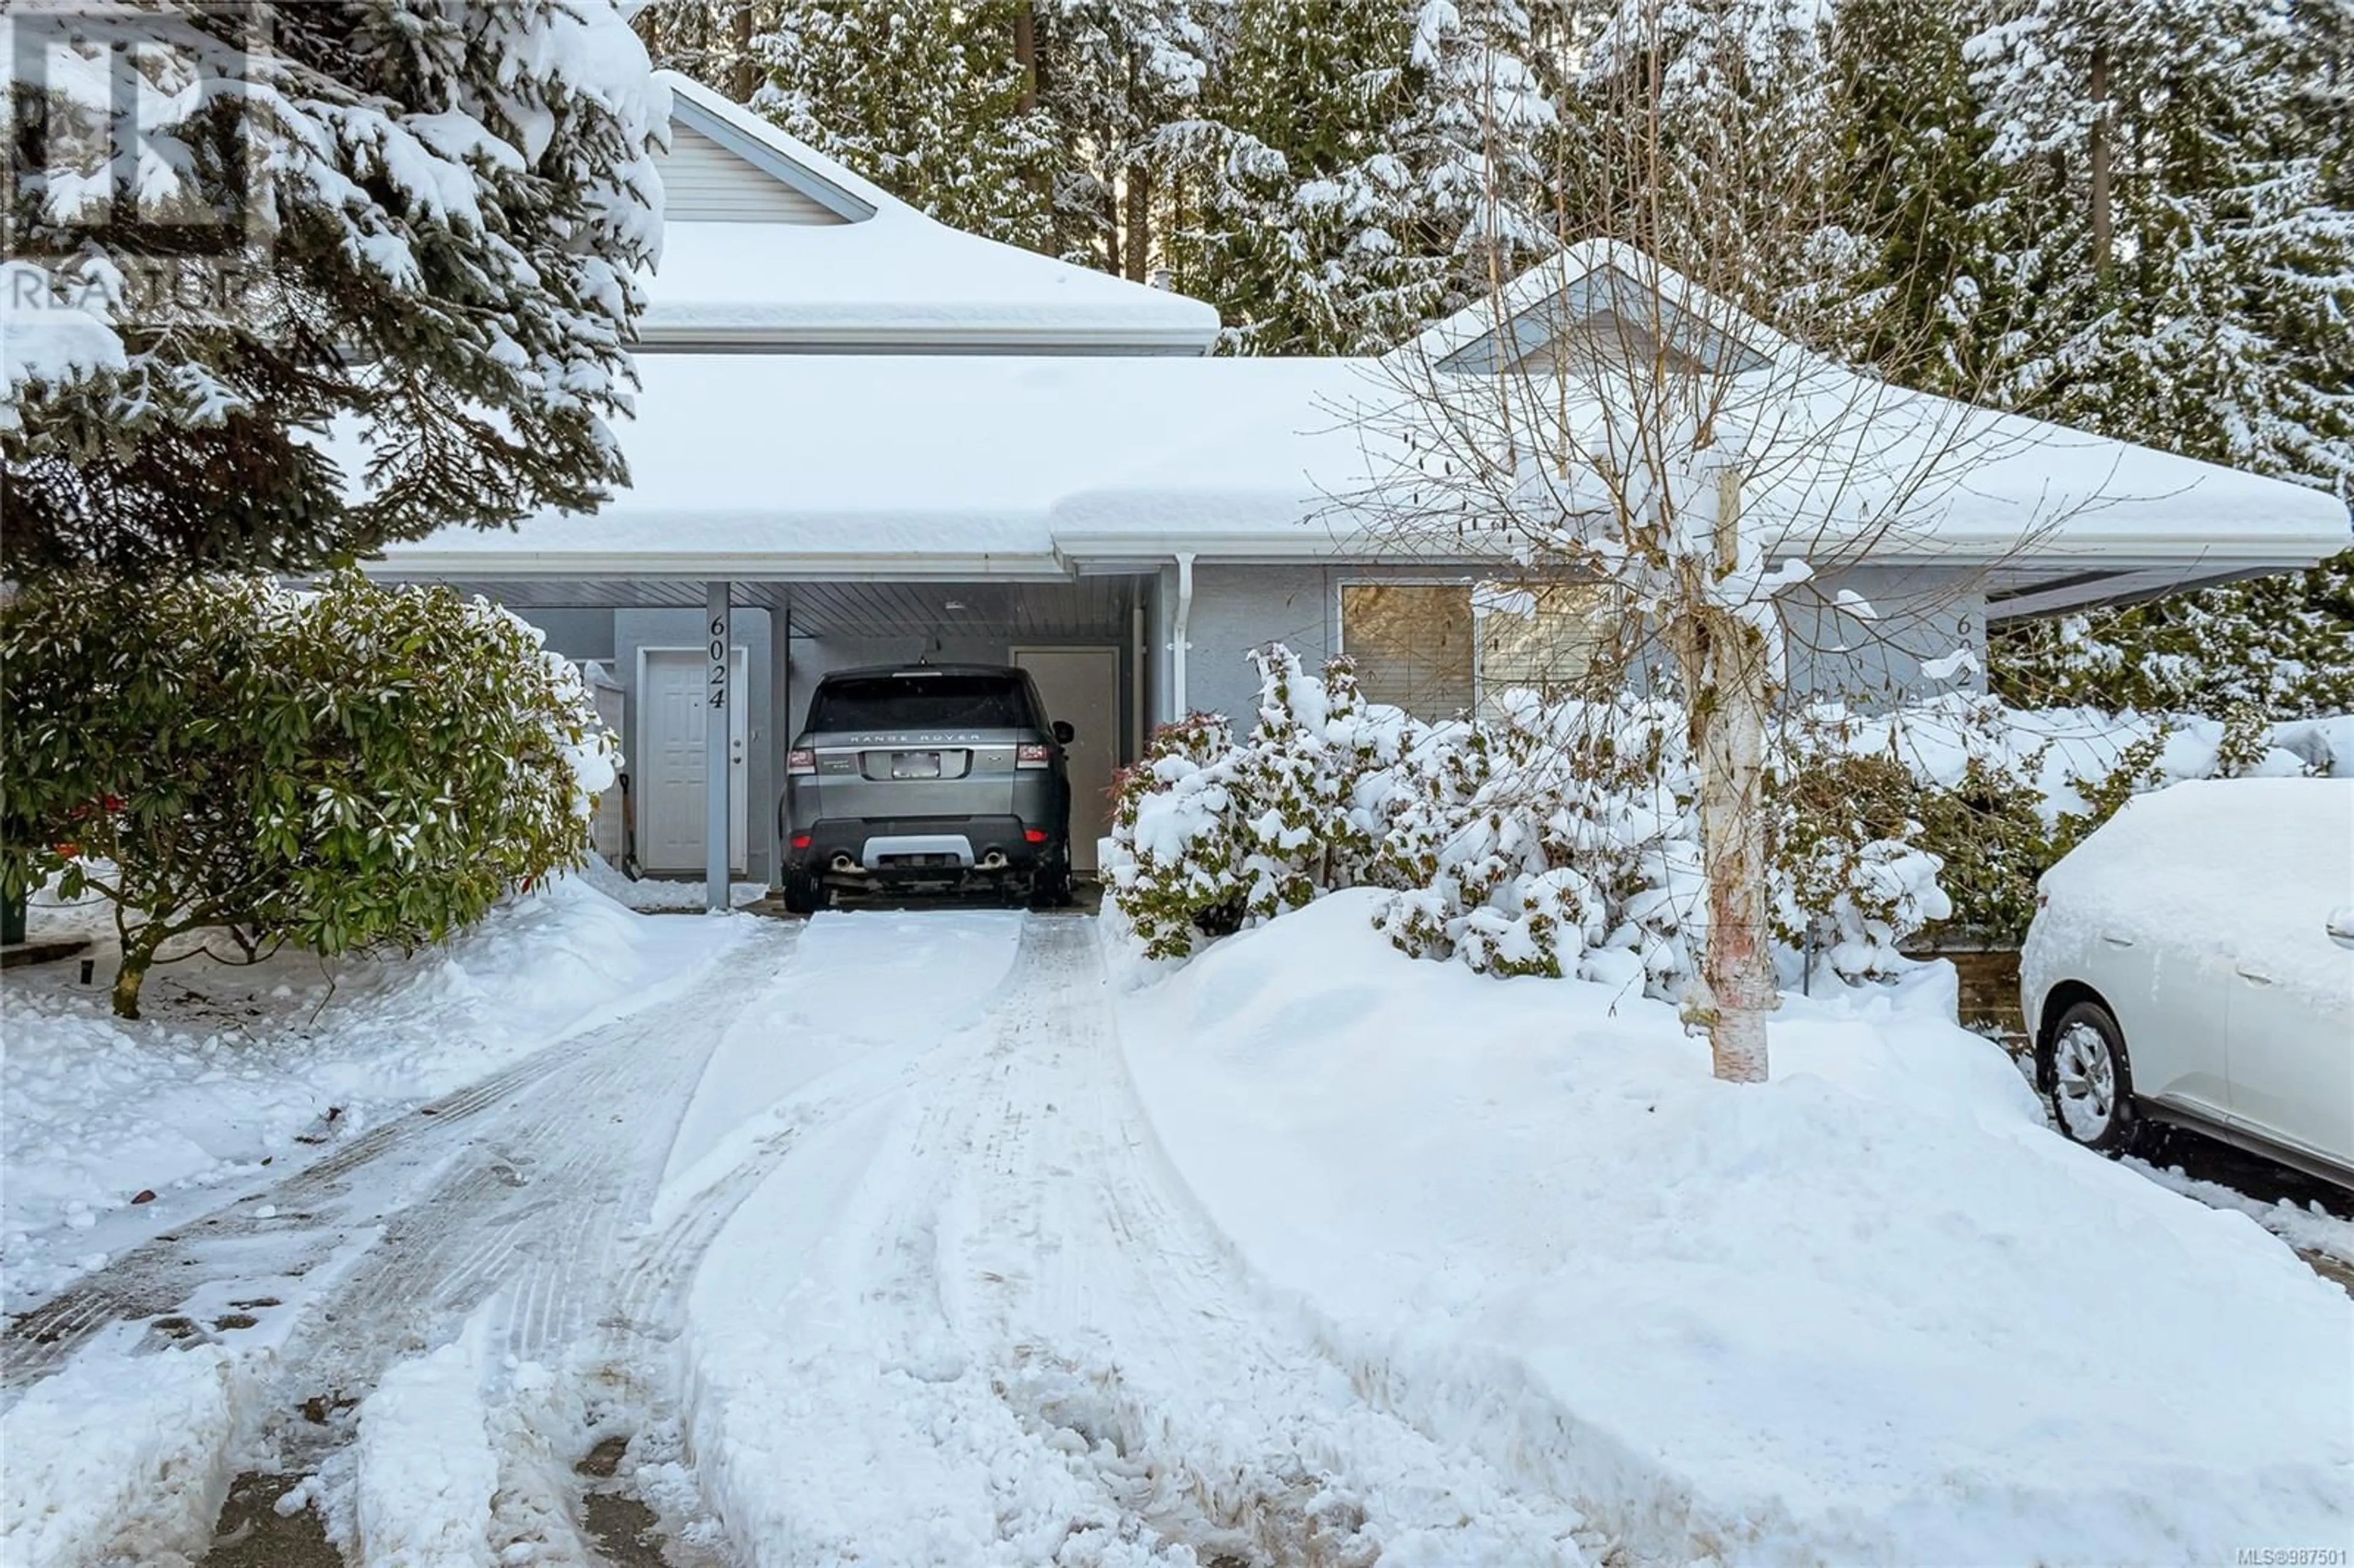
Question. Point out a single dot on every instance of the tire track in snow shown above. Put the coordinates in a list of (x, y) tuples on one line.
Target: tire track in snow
[(533, 1211), (1007, 1304), (514, 1192)]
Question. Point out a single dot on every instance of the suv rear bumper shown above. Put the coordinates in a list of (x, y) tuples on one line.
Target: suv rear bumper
[(941, 850)]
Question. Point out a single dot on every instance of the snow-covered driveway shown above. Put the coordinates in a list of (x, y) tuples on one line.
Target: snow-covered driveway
[(976, 1320), (865, 1243)]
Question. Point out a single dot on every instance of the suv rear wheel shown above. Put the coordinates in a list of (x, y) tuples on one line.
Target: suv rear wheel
[(804, 894), (1050, 888)]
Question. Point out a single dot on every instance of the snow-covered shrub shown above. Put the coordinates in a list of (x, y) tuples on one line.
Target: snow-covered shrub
[(1851, 872), (1560, 838), (349, 768), (1529, 842), (2280, 646), (1210, 834)]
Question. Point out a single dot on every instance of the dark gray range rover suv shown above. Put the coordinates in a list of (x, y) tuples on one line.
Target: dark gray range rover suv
[(927, 776)]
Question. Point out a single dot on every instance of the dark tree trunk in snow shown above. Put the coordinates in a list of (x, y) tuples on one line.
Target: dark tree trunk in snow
[(138, 953), (2097, 155), (1026, 55), (1140, 222)]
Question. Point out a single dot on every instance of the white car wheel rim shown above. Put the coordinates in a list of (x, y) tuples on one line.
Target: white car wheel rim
[(2086, 1081)]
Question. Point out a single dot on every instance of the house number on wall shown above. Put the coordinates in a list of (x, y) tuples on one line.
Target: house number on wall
[(719, 681)]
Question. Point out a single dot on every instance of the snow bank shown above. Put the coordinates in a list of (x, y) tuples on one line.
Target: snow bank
[(115, 1438), (425, 1473), (660, 892), (1873, 1310), (233, 1066)]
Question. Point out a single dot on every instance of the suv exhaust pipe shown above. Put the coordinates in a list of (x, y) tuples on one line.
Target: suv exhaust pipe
[(993, 861), (843, 864)]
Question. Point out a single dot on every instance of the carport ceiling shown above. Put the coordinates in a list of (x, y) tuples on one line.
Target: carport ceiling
[(1084, 607)]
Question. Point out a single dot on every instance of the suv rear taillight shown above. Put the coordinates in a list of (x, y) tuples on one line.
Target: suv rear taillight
[(799, 762), (1033, 756)]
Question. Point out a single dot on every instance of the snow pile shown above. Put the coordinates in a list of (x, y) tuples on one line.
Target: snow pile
[(425, 1473), (658, 892), (75, 1482), (234, 1067), (1873, 1310)]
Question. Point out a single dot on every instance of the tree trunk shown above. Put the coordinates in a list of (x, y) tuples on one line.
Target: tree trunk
[(1730, 710), (138, 953), (745, 79), (2097, 155), (1025, 53), (1140, 222)]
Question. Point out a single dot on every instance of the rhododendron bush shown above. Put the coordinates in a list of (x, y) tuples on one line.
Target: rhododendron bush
[(354, 767)]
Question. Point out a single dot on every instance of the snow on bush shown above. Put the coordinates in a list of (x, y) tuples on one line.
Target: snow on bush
[(355, 767), (1213, 835), (1561, 838)]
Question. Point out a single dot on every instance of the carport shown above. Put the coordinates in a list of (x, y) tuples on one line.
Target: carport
[(788, 515), (683, 652)]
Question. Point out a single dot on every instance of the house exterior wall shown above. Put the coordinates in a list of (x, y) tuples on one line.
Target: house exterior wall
[(702, 182), (1922, 615)]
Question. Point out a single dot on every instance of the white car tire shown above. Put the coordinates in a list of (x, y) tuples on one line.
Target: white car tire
[(2085, 1072)]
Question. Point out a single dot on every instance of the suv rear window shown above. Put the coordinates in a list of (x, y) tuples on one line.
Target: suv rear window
[(915, 701)]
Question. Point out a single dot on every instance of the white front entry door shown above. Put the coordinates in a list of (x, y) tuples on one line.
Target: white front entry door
[(1081, 686), (667, 772)]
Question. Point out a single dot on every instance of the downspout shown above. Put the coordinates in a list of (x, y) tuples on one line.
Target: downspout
[(1178, 643)]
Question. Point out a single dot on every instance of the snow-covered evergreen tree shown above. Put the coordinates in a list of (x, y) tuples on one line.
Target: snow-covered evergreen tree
[(1671, 95), (927, 98), (718, 42), (1904, 285), (1120, 82), (232, 225), (2192, 282), (1302, 220), (1480, 144)]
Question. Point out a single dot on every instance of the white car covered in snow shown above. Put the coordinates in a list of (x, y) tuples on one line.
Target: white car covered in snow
[(2192, 961)]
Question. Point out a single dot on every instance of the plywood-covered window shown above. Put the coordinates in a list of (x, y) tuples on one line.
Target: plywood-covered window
[(1412, 645), (1542, 637), (1437, 650)]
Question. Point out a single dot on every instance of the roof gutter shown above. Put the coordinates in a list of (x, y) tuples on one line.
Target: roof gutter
[(778, 566)]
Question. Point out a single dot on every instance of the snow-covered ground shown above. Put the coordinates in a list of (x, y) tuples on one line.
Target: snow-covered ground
[(650, 893), (913, 1238), (1873, 1311), (238, 1072)]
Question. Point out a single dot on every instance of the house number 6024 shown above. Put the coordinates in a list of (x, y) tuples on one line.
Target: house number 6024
[(718, 682)]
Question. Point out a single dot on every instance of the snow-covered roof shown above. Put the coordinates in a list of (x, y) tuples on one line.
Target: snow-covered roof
[(757, 466), (918, 465), (884, 277)]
